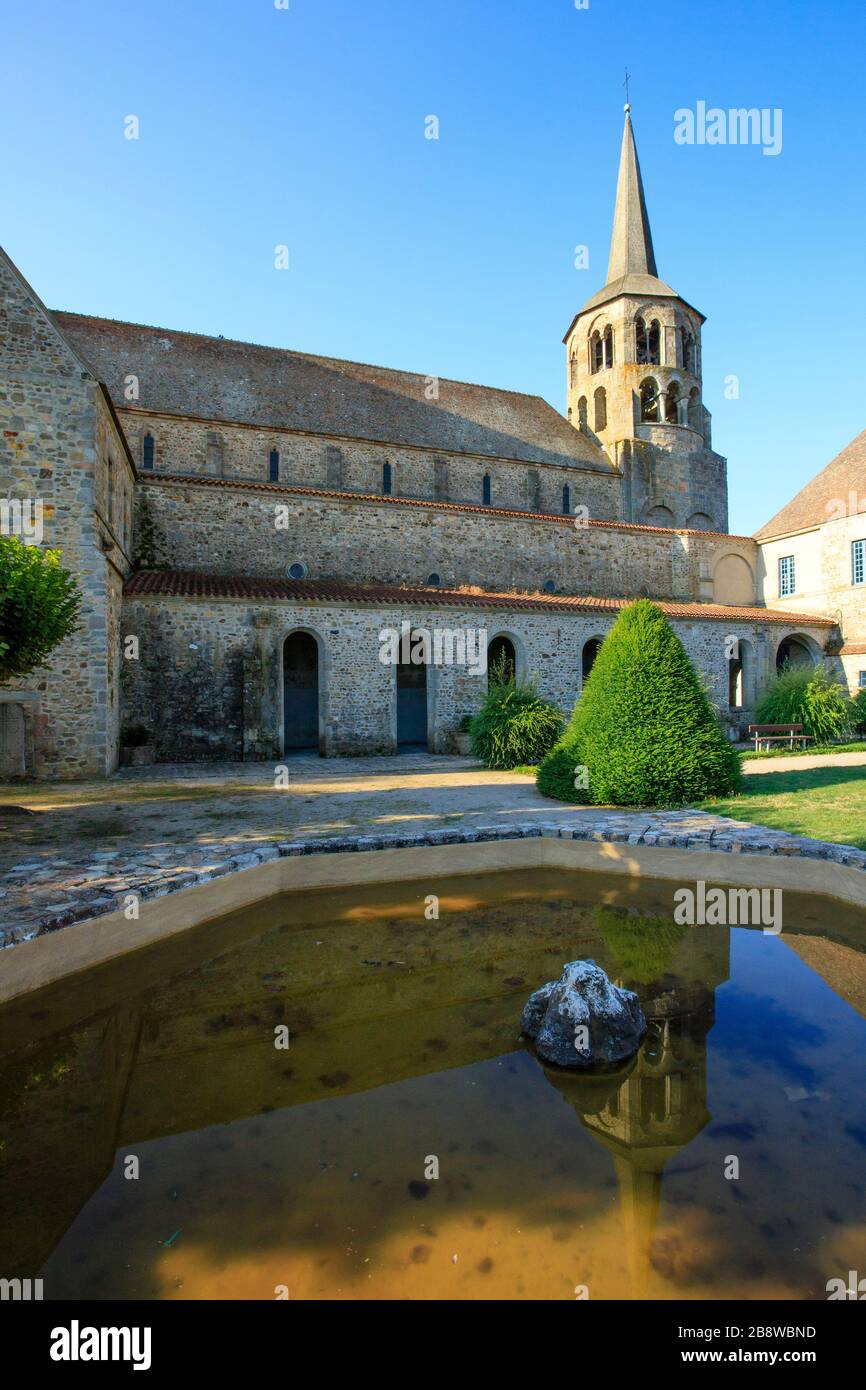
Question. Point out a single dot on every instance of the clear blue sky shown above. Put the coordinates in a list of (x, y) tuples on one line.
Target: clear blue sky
[(454, 257)]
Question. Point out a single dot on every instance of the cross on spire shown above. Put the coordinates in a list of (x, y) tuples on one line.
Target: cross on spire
[(625, 84)]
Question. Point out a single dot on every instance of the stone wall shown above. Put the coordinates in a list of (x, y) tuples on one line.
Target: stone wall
[(259, 531), (57, 434), (209, 680), (214, 448)]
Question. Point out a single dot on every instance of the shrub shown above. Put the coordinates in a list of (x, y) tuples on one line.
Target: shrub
[(643, 727), (806, 695), (858, 712), (39, 603), (514, 725)]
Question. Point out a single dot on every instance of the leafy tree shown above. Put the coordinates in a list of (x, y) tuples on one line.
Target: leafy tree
[(39, 605), (514, 725), (858, 711), (643, 732), (806, 695)]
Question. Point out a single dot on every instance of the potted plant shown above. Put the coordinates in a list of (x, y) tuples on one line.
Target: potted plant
[(136, 748), (462, 740)]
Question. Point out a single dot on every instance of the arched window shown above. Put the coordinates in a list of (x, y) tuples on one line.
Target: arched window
[(581, 413), (274, 466), (793, 651), (572, 369), (641, 346), (386, 479), (688, 351), (649, 401), (147, 451), (501, 659), (647, 342), (566, 500), (590, 652), (608, 346), (672, 396), (596, 352), (654, 339), (485, 490), (600, 400)]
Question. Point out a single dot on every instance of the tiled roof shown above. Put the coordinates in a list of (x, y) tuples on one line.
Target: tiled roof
[(186, 584), (838, 490), (853, 649), (200, 479), (190, 374)]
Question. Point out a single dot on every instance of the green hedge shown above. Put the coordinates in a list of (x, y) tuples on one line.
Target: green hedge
[(643, 728)]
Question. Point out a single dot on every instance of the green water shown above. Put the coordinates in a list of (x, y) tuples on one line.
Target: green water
[(311, 1171)]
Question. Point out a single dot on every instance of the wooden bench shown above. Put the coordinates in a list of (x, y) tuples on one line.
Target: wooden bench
[(778, 733)]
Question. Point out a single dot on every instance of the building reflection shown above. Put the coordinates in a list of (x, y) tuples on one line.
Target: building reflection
[(650, 1109)]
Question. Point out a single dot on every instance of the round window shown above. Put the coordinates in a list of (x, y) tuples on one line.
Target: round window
[(550, 586), (297, 571), (433, 580)]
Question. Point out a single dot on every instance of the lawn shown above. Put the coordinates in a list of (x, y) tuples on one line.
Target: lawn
[(825, 803)]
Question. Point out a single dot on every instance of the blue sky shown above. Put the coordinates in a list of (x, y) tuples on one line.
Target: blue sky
[(454, 257)]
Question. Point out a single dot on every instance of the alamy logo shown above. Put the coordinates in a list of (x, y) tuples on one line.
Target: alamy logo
[(739, 126), (22, 1290), (22, 516), (444, 646), (729, 907), (77, 1343), (854, 1289)]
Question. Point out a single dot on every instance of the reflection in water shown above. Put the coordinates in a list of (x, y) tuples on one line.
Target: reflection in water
[(306, 1167)]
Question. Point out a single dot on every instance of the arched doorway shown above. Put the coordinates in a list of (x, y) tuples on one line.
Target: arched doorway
[(793, 651), (412, 704), (300, 692), (501, 658), (591, 650), (741, 675)]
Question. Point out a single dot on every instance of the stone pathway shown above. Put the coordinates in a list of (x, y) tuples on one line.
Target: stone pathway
[(753, 766), (155, 830)]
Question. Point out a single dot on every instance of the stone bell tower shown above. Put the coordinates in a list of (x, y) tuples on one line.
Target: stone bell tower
[(633, 355)]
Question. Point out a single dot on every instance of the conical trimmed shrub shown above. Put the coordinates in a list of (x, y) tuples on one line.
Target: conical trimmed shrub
[(643, 728)]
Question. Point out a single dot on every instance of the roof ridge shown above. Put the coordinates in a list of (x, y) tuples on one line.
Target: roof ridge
[(297, 352)]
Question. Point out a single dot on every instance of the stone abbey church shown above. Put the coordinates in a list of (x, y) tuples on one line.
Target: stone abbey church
[(245, 522)]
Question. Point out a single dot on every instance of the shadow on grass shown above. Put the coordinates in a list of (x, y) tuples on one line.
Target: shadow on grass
[(822, 803)]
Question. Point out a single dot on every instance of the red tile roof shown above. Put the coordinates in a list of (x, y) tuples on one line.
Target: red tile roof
[(853, 649), (186, 584), (201, 480)]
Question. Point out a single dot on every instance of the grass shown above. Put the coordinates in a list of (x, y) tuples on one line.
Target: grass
[(822, 748), (824, 803)]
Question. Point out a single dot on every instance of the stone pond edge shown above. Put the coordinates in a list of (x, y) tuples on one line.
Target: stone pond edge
[(690, 830)]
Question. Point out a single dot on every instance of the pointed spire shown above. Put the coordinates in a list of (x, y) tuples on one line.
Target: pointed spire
[(631, 246)]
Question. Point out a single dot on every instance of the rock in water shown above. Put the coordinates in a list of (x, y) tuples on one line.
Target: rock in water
[(582, 1019)]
